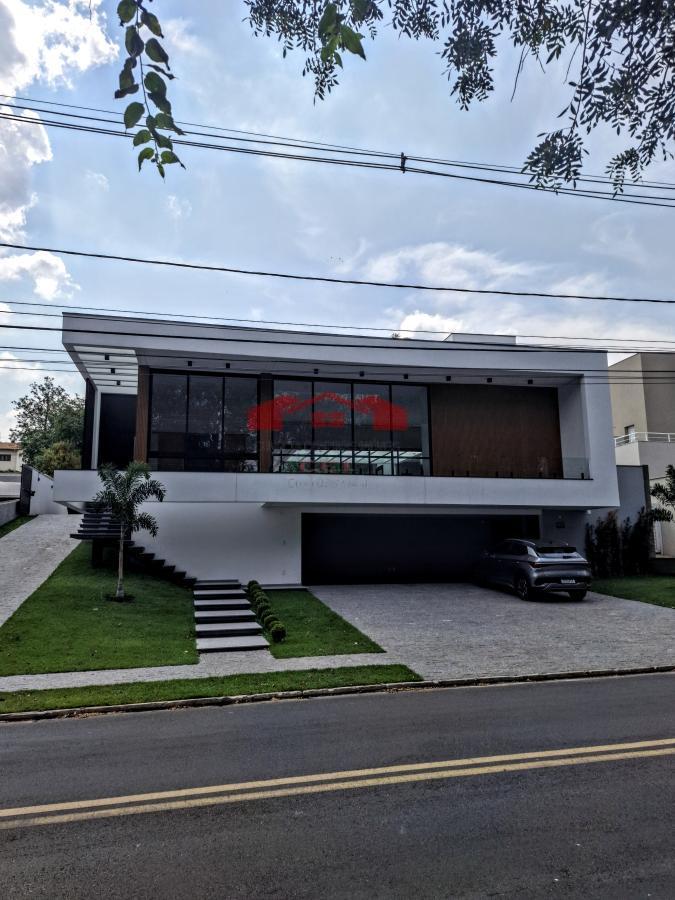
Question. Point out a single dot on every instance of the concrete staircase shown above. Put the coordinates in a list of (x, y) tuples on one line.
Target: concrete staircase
[(224, 619)]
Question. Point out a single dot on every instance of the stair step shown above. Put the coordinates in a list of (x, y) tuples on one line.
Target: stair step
[(222, 604), (228, 644), (219, 583), (219, 595), (204, 617), (227, 629)]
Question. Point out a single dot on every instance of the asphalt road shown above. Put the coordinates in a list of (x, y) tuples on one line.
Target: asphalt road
[(593, 821)]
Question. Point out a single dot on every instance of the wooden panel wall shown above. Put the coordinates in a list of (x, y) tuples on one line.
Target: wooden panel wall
[(495, 431), (142, 413)]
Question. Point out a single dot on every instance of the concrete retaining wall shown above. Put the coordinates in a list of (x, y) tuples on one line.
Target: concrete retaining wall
[(8, 511)]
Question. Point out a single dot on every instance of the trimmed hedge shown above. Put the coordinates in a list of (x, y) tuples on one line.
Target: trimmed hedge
[(264, 613)]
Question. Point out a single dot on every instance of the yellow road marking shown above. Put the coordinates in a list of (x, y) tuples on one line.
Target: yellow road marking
[(331, 776), (300, 785)]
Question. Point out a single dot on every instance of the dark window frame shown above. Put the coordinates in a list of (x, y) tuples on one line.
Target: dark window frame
[(222, 455), (394, 452)]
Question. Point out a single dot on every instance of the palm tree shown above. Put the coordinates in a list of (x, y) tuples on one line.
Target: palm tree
[(123, 493), (665, 494)]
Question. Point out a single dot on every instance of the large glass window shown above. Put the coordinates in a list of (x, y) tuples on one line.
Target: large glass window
[(411, 438), (204, 423), (168, 421), (201, 423), (344, 428), (240, 438)]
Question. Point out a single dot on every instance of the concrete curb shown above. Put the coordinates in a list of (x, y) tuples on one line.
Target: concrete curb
[(389, 687)]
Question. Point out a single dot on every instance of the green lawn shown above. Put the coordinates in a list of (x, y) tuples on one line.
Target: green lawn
[(15, 523), (656, 589), (231, 685), (66, 625), (312, 629)]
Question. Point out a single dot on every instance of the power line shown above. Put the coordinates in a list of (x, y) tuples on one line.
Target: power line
[(430, 345), (635, 199), (328, 279), (194, 319), (330, 147)]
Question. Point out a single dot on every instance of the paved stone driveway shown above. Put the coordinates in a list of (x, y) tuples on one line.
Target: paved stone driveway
[(29, 554), (461, 630)]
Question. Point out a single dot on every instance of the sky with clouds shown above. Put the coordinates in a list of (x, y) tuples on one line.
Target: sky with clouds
[(68, 189)]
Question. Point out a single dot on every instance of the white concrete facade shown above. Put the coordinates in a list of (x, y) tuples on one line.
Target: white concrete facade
[(11, 457), (249, 525)]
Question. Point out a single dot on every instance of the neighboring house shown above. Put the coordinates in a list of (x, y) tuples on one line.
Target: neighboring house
[(11, 457), (643, 413), (308, 457)]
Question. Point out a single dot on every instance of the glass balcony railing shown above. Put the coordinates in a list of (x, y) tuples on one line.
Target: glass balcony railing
[(319, 461), (633, 437), (345, 461)]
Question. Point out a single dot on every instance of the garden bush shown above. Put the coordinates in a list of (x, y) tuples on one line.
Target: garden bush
[(264, 613), (277, 632)]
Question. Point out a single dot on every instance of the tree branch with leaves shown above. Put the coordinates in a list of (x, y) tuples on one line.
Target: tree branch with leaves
[(147, 53), (625, 76)]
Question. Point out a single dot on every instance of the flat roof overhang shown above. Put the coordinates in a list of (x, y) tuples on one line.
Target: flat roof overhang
[(108, 350)]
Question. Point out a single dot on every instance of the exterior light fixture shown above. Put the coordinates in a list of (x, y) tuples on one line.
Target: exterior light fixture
[(316, 371), (227, 365), (361, 374), (119, 383), (405, 377), (106, 356), (530, 381), (112, 371), (189, 362), (448, 377), (489, 380)]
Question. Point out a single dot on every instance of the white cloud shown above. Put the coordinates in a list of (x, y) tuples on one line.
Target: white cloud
[(97, 180), (180, 38), (614, 236), (178, 208), (443, 263), (47, 272), (21, 147), (588, 283), (50, 41), (458, 266)]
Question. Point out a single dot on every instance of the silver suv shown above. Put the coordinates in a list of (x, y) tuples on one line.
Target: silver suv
[(531, 567)]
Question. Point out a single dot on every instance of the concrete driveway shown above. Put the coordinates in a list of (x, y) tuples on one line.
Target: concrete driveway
[(461, 630)]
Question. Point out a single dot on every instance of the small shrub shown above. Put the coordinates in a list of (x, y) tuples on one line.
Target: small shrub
[(260, 604), (277, 632)]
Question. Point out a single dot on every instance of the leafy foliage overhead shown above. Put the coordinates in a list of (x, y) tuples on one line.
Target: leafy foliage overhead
[(148, 59), (618, 58)]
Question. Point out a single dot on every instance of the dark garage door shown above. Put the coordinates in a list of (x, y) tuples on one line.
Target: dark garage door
[(362, 549)]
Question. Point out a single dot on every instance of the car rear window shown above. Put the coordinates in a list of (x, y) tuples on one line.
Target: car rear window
[(557, 551)]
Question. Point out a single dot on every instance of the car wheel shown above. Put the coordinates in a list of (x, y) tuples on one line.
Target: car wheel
[(577, 595), (522, 587)]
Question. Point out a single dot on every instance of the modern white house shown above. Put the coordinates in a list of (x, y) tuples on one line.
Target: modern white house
[(304, 457), (643, 412)]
